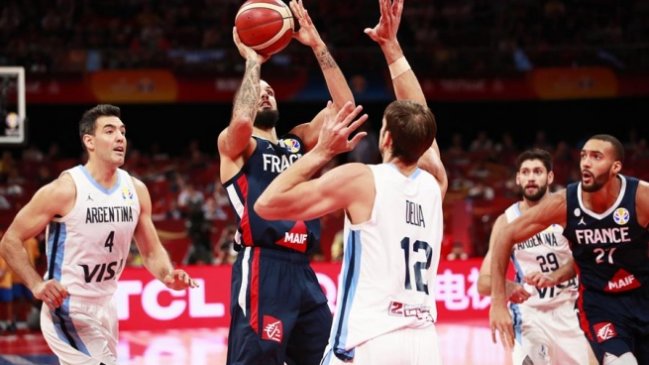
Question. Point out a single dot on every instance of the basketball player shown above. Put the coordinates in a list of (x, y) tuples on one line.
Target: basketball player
[(278, 310), (385, 312), (92, 213), (546, 326), (605, 218)]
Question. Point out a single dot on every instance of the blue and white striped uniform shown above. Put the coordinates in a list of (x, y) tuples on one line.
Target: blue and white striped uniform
[(86, 252), (546, 326), (386, 298)]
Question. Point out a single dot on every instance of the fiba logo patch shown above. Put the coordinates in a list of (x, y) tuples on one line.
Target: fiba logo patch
[(621, 216), (273, 329), (127, 194), (290, 144), (577, 212)]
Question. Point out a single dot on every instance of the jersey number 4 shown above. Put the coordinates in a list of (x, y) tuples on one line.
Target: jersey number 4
[(109, 241), (418, 267)]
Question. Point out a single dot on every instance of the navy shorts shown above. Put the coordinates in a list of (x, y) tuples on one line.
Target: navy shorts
[(616, 323), (279, 312)]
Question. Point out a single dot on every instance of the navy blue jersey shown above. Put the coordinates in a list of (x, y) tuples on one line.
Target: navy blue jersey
[(267, 162), (610, 249)]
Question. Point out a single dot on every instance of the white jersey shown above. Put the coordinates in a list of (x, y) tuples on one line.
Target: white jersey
[(544, 252), (88, 247), (387, 281)]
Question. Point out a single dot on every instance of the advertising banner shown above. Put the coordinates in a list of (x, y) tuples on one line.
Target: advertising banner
[(145, 303)]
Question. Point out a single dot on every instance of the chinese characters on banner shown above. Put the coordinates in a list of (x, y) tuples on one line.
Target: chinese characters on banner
[(144, 303)]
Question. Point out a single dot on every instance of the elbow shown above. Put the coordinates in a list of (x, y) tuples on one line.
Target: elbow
[(484, 286), (4, 246), (241, 124)]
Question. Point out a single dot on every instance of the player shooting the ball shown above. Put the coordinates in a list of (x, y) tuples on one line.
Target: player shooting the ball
[(279, 312)]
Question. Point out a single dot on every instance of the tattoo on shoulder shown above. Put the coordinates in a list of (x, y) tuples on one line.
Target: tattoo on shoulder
[(325, 60)]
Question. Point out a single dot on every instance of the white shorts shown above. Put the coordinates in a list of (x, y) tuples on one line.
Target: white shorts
[(550, 337), (82, 333), (406, 346)]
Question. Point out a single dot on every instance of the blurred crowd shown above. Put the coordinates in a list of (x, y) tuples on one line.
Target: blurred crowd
[(197, 225), (445, 37)]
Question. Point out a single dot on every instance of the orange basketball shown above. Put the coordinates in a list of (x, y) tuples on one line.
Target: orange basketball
[(265, 25)]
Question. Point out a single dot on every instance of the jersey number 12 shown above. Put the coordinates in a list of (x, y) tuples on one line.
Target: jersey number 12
[(418, 267)]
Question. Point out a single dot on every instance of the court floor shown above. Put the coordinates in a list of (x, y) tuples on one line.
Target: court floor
[(460, 343)]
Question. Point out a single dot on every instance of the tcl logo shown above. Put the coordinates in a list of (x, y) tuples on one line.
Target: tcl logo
[(192, 299)]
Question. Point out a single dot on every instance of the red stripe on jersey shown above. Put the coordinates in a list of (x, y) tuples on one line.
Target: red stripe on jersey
[(254, 291), (246, 232), (583, 320)]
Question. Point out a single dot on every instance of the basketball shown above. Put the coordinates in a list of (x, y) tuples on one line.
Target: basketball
[(265, 25)]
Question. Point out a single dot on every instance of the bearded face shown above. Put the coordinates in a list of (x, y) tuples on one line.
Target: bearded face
[(535, 194), (266, 119), (591, 183)]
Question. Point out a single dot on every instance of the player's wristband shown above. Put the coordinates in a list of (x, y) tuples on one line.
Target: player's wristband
[(398, 67)]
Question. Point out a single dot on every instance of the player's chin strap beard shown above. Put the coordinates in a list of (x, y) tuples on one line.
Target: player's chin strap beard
[(266, 119)]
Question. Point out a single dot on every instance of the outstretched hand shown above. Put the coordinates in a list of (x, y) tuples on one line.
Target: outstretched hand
[(246, 52), (337, 127), (386, 29), (307, 34), (179, 280)]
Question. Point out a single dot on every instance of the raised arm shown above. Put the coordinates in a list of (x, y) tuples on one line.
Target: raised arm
[(54, 199), (154, 256), (334, 78), (236, 138), (432, 162), (292, 195), (551, 210), (404, 81)]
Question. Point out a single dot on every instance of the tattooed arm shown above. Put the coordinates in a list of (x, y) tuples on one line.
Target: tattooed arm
[(235, 142), (336, 82)]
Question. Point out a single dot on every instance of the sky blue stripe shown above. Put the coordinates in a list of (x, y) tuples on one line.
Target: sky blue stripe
[(516, 311), (351, 262), (56, 230), (99, 186), (61, 318), (58, 260), (517, 321)]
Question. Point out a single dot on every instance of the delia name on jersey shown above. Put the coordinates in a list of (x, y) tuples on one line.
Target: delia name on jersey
[(109, 214), (414, 214), (277, 164)]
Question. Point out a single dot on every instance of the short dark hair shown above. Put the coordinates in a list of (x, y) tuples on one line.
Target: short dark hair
[(412, 127), (89, 118), (618, 148), (535, 154)]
